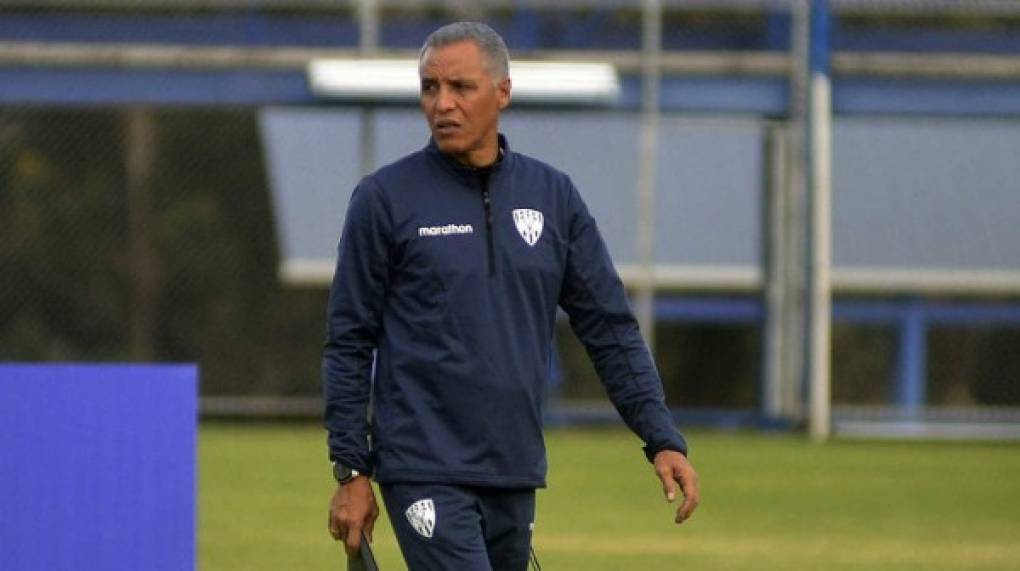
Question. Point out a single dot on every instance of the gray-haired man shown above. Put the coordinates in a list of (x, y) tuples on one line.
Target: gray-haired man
[(450, 268)]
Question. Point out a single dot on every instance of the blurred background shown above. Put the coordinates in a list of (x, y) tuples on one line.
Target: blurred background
[(171, 190)]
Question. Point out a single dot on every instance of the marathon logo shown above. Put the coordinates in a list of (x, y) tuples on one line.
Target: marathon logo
[(447, 230)]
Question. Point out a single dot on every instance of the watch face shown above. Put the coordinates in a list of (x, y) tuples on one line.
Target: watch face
[(341, 473)]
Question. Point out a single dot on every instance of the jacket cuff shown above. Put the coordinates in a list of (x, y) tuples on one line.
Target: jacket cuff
[(678, 445), (364, 466)]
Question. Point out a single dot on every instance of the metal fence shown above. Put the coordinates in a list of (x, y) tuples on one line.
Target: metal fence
[(136, 220), (145, 234)]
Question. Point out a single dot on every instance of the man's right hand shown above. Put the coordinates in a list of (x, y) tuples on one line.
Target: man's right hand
[(352, 510)]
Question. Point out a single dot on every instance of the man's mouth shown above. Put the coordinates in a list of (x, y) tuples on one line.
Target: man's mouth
[(446, 127)]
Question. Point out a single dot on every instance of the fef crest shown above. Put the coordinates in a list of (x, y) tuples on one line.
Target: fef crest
[(529, 224)]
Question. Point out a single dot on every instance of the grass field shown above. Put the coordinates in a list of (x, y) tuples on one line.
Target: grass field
[(768, 502)]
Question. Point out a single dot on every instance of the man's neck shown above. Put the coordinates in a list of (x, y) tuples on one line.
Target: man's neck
[(480, 158)]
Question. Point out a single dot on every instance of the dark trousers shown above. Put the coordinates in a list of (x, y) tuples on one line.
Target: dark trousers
[(461, 528)]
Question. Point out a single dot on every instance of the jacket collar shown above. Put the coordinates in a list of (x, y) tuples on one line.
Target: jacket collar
[(503, 162)]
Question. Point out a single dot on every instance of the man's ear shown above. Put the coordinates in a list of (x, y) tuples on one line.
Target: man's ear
[(503, 92)]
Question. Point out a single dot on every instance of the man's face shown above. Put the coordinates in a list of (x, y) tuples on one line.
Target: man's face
[(462, 102)]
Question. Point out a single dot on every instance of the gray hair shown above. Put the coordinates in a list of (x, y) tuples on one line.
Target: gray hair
[(491, 44)]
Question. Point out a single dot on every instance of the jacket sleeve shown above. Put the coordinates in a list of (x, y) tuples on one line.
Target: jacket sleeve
[(353, 325), (595, 300)]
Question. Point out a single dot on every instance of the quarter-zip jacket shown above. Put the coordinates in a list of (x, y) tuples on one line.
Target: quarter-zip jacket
[(451, 276)]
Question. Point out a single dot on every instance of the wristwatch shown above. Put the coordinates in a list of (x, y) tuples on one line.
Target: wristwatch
[(344, 474)]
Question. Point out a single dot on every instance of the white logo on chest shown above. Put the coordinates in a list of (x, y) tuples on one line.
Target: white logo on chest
[(529, 224), (422, 516), (445, 230)]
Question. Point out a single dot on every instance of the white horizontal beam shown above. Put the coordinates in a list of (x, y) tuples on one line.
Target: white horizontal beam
[(940, 65), (933, 281), (926, 65), (396, 81), (123, 55), (747, 279), (306, 273), (690, 277), (927, 430)]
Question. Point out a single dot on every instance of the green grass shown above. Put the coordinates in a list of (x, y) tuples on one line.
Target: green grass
[(768, 502)]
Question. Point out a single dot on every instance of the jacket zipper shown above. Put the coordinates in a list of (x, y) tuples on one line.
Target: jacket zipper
[(487, 203)]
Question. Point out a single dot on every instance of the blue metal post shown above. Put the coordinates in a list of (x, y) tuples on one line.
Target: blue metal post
[(911, 377), (818, 53)]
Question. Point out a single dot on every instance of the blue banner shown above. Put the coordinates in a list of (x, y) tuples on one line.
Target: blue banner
[(97, 467)]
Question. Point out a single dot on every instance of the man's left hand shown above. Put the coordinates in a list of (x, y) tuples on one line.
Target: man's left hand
[(673, 468)]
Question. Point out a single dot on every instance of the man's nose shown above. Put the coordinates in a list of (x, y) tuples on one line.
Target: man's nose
[(444, 99)]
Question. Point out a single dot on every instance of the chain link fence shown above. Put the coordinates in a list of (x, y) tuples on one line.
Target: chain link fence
[(145, 234)]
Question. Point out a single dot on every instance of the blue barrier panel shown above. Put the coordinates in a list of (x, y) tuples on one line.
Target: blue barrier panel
[(97, 467)]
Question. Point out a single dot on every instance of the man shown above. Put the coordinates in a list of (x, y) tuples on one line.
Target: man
[(450, 267)]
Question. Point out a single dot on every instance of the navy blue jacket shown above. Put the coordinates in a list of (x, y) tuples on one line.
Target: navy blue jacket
[(453, 276)]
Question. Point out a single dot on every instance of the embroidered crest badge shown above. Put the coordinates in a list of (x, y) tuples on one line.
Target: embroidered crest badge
[(529, 224), (422, 516)]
